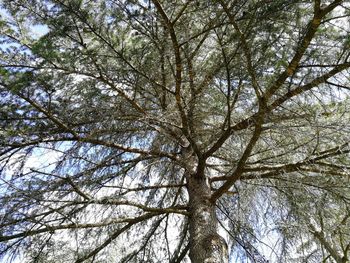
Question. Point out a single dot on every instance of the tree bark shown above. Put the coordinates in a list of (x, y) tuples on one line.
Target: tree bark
[(206, 245)]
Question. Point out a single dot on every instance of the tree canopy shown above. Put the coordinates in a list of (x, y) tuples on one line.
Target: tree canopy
[(174, 131)]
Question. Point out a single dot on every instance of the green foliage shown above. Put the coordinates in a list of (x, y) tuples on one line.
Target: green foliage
[(109, 114)]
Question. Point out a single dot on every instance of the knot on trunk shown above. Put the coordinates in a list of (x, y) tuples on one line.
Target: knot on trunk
[(217, 248), (213, 249)]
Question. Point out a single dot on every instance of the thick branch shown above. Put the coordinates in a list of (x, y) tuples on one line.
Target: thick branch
[(241, 163), (75, 226)]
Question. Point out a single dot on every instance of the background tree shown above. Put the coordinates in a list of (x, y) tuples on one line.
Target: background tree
[(169, 131)]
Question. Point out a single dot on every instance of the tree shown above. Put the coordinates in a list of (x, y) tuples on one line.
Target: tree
[(169, 131)]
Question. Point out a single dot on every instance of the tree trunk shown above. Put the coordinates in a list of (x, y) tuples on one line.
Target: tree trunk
[(206, 245)]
